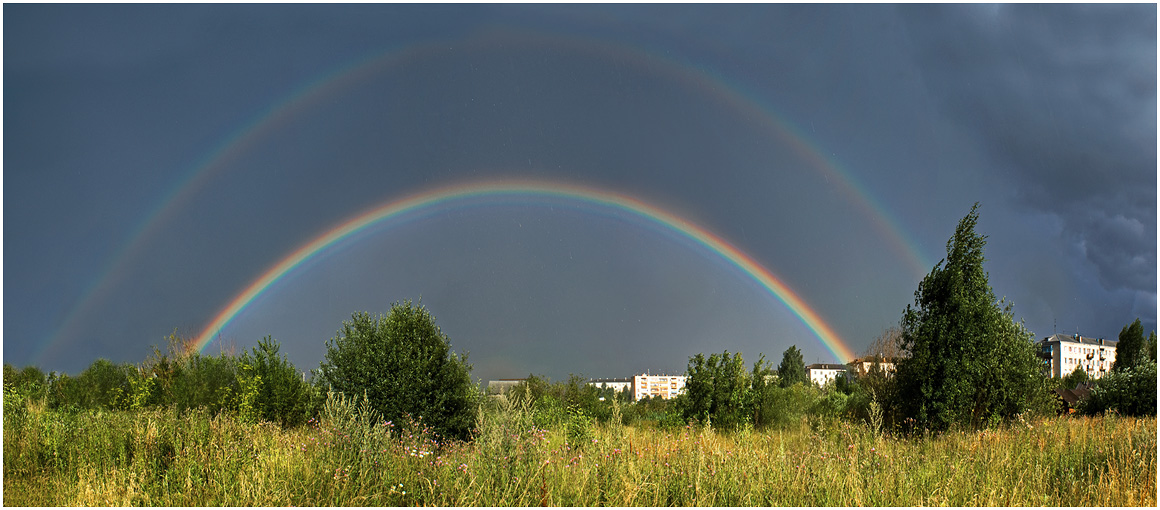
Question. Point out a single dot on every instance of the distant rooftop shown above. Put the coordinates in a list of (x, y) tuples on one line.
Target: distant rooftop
[(1059, 337), (828, 366)]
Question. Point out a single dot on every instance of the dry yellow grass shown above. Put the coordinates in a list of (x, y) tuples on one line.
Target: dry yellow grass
[(158, 457)]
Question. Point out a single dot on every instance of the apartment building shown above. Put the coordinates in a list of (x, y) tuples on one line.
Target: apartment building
[(822, 373), (662, 386), (1061, 354), (615, 384)]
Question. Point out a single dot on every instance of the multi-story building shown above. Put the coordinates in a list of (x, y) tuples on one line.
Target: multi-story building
[(822, 373), (618, 384), (662, 386), (1061, 354), (862, 366)]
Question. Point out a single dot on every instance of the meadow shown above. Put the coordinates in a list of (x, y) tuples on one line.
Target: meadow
[(163, 457)]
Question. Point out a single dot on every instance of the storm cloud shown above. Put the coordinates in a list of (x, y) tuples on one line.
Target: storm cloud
[(1063, 100)]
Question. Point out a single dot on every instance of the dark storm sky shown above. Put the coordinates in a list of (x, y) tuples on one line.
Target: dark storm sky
[(294, 118)]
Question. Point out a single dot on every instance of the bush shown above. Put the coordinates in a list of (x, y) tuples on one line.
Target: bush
[(1129, 391), (282, 395), (784, 407), (404, 365)]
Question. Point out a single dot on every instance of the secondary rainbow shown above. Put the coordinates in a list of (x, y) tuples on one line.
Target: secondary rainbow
[(603, 198)]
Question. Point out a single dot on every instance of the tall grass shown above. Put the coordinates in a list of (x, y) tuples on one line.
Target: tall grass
[(351, 457)]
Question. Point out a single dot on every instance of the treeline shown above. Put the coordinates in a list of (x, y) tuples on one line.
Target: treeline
[(960, 360), (256, 385)]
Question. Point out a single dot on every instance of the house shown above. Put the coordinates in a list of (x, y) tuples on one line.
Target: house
[(1061, 354), (1071, 397)]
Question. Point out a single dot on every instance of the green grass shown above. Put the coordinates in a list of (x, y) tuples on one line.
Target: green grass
[(161, 457)]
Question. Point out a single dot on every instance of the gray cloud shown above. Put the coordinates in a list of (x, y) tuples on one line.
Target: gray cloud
[(1063, 100)]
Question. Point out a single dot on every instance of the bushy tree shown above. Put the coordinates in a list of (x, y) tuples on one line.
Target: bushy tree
[(717, 390), (283, 395), (107, 385), (792, 368), (1152, 346), (1129, 391), (1131, 351), (404, 364), (967, 361)]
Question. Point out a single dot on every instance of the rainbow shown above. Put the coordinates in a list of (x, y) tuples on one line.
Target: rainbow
[(284, 110), (427, 200)]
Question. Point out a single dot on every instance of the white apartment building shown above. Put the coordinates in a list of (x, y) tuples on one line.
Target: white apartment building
[(822, 373), (618, 385), (1061, 354), (663, 386)]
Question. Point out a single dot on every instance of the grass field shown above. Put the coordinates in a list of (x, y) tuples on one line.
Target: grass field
[(158, 457)]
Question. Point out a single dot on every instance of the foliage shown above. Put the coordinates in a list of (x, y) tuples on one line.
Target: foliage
[(764, 396), (874, 400), (716, 390), (1128, 391), (404, 365), (1152, 346), (258, 386), (282, 395), (1075, 378), (1131, 351), (968, 362), (792, 368)]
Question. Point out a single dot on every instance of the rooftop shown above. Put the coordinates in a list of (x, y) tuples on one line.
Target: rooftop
[(828, 366), (1076, 339)]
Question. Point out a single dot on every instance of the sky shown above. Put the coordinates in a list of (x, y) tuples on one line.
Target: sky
[(159, 159)]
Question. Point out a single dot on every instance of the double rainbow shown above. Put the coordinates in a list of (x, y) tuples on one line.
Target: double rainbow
[(449, 196)]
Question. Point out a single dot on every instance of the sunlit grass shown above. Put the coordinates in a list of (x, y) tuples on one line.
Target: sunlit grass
[(159, 457)]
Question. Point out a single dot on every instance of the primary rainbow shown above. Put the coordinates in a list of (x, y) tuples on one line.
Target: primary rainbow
[(602, 198)]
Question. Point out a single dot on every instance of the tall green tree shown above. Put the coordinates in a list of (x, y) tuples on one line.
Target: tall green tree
[(966, 360), (1131, 350), (404, 364), (1152, 346), (792, 368)]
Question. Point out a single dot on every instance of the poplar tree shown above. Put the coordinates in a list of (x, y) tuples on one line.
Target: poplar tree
[(1131, 351), (965, 359), (792, 368)]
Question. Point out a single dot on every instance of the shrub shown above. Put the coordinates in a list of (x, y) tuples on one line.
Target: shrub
[(404, 365), (282, 395), (1129, 391)]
